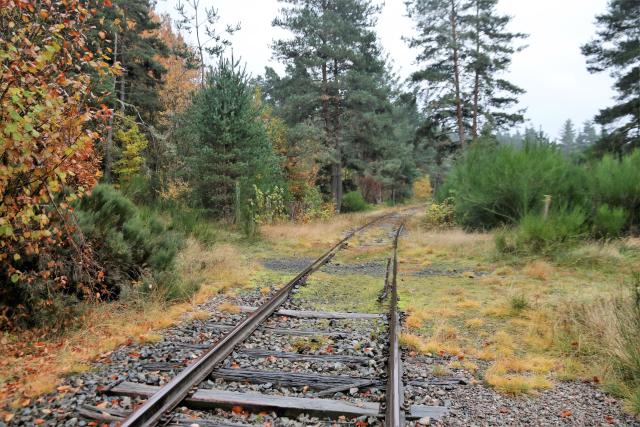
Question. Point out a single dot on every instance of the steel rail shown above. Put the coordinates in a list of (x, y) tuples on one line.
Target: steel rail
[(172, 393), (394, 415)]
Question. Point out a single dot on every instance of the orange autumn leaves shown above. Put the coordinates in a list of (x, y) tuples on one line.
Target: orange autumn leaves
[(47, 127)]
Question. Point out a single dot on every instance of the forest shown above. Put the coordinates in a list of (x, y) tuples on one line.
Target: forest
[(128, 136)]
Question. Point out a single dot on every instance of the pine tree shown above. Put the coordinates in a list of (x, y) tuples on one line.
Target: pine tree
[(333, 42), (129, 28), (203, 21), (464, 47), (616, 49), (438, 24), (490, 48), (224, 141)]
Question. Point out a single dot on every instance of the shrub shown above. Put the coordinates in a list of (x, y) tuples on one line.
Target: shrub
[(518, 303), (609, 222), (536, 235), (353, 202), (494, 185), (616, 182), (312, 206), (440, 215), (130, 245)]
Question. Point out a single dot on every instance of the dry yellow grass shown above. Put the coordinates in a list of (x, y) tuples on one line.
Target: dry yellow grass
[(468, 304), (520, 375), (517, 384), (222, 266), (474, 323), (411, 342), (417, 318), (444, 312), (315, 233), (540, 270), (226, 307), (498, 310), (452, 241), (445, 333)]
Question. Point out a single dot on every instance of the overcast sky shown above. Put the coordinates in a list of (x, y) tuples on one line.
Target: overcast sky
[(551, 69)]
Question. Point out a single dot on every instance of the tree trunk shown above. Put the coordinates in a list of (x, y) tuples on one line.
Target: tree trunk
[(200, 47), (456, 73), (337, 166), (109, 141), (476, 84)]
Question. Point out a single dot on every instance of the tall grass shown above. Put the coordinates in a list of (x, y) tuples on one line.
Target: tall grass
[(608, 329)]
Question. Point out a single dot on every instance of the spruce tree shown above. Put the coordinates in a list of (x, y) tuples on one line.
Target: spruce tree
[(616, 49), (587, 137)]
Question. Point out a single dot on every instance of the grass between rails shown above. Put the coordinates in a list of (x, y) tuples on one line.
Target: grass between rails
[(526, 322)]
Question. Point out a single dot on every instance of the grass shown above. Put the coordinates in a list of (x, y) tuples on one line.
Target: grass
[(528, 321)]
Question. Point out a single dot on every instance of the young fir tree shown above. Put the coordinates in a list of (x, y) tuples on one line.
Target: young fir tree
[(332, 41), (490, 48), (616, 49), (224, 145)]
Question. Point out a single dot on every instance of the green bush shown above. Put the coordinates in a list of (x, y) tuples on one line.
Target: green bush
[(494, 185), (353, 202), (609, 222), (616, 182), (536, 235), (129, 244)]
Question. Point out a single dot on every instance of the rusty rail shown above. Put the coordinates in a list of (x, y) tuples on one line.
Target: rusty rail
[(172, 393), (394, 414)]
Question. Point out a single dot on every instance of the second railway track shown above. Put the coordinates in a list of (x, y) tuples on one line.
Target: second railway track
[(279, 364)]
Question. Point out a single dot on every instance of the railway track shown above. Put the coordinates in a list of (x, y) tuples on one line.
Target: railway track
[(361, 388)]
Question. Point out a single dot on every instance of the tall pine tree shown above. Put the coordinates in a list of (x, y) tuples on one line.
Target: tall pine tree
[(330, 54), (129, 28), (616, 49), (464, 48), (439, 43), (490, 48)]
